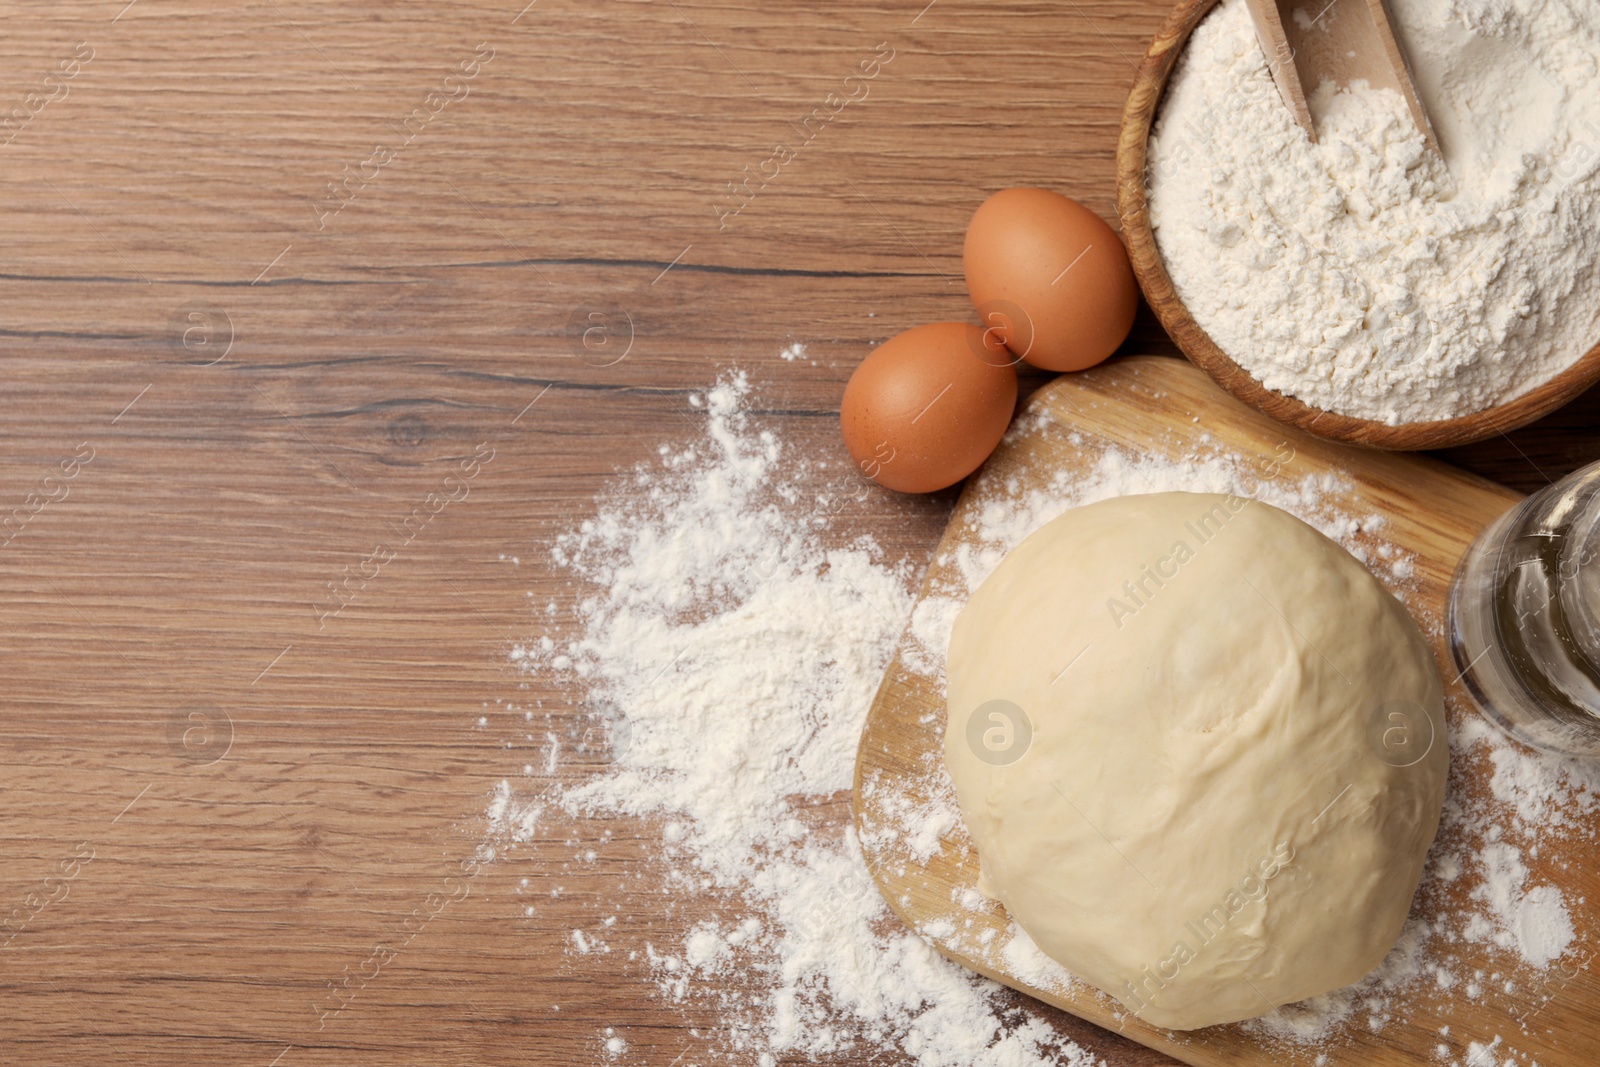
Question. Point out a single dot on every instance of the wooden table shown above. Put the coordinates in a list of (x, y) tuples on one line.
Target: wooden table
[(257, 767)]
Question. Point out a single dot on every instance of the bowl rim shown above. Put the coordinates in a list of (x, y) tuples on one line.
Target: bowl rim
[(1133, 208)]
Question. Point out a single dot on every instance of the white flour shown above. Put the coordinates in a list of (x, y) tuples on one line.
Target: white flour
[(734, 656), (728, 656), (1360, 274)]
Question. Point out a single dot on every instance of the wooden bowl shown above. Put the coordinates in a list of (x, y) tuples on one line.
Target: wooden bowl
[(1133, 206)]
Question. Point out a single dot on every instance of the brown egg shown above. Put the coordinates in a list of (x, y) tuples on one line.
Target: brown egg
[(927, 406), (1050, 277)]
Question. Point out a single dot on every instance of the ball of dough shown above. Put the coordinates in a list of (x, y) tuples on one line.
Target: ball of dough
[(1201, 752)]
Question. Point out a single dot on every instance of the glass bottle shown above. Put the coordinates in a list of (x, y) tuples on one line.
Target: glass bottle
[(1525, 617)]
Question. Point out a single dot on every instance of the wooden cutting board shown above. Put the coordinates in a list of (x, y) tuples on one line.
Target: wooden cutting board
[(1163, 408)]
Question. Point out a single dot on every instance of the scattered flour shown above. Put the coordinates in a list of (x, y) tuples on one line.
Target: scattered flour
[(614, 1045), (730, 655), (1361, 274)]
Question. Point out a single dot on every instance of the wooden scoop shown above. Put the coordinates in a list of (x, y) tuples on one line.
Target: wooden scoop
[(1307, 41)]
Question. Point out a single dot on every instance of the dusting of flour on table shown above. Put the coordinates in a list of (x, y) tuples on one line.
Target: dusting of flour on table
[(730, 650), (1361, 274), (733, 654)]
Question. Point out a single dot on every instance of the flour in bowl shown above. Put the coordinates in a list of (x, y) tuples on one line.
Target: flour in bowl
[(1361, 274)]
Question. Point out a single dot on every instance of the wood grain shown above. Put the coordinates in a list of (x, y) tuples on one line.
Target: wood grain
[(335, 376), (1139, 235), (1167, 410)]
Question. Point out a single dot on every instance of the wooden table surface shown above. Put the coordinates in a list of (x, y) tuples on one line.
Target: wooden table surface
[(227, 380)]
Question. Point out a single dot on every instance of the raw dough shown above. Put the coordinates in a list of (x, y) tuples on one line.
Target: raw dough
[(1228, 763)]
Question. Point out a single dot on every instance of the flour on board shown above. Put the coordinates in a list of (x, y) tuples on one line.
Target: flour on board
[(1526, 928)]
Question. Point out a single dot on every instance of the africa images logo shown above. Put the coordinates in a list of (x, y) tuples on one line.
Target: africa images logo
[(999, 732)]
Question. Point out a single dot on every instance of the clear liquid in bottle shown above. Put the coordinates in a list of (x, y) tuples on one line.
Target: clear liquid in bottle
[(1525, 617)]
